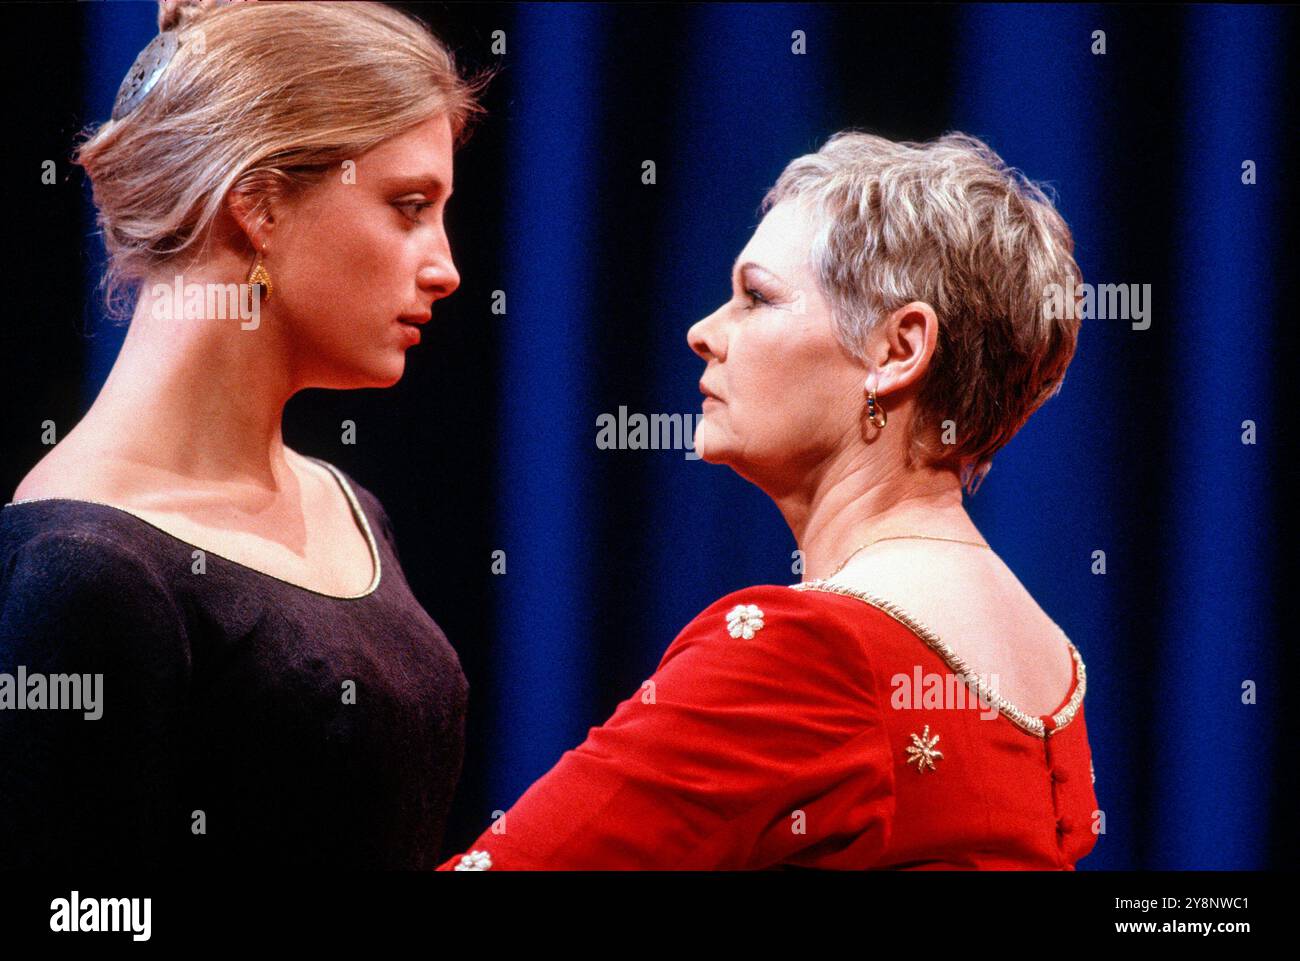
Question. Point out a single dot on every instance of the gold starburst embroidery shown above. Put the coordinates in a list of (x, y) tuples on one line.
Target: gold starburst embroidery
[(922, 750)]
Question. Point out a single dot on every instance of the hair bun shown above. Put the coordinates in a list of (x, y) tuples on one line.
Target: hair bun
[(176, 14)]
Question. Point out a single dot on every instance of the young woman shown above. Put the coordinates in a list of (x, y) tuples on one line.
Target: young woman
[(269, 691)]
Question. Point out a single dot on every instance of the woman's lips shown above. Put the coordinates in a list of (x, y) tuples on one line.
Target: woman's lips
[(410, 328), (708, 394)]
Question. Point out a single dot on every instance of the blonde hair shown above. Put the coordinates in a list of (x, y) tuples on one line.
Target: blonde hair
[(263, 97), (948, 223)]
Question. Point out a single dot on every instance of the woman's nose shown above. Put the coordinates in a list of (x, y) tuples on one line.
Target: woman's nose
[(440, 277), (703, 338)]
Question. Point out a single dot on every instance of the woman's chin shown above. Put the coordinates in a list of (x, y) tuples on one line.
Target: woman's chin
[(382, 372), (708, 449), (389, 367), (392, 376)]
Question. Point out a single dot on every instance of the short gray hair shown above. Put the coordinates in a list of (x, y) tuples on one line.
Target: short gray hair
[(946, 222)]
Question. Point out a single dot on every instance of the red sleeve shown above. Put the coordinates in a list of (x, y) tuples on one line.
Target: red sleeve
[(745, 753)]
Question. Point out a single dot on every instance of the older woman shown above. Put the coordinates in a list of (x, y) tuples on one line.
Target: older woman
[(908, 705), (272, 693)]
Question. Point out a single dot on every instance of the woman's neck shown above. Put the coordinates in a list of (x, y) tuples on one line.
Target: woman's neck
[(198, 399), (853, 503)]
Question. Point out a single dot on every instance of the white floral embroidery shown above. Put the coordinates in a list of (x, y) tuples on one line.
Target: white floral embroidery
[(475, 861), (745, 620)]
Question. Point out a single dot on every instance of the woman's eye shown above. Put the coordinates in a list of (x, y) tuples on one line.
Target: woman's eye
[(755, 298), (419, 206)]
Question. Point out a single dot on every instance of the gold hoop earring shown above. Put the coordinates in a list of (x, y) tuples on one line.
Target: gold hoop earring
[(876, 410), (260, 277)]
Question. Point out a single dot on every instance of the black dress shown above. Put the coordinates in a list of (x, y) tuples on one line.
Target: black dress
[(243, 721)]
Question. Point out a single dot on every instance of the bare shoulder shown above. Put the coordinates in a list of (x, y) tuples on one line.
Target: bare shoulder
[(82, 470), (71, 470), (953, 584), (975, 603)]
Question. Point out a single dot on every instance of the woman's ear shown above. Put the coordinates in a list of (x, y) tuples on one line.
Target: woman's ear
[(253, 207), (909, 337)]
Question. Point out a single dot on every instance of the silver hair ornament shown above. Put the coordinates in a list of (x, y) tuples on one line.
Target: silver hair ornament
[(144, 73)]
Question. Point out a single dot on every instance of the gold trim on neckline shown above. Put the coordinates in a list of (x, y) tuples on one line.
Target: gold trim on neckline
[(359, 516), (1028, 723)]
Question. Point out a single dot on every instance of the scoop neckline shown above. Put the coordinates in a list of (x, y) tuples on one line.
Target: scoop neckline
[(358, 516), (1036, 725)]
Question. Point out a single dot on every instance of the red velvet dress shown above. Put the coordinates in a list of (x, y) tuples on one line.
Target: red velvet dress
[(811, 726)]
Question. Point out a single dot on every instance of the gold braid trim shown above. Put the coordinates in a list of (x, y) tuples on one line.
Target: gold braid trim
[(1026, 722)]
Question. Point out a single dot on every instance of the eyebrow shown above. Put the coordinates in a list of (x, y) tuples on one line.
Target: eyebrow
[(740, 268), (427, 182)]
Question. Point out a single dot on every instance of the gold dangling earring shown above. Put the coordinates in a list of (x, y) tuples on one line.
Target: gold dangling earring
[(260, 277), (876, 410)]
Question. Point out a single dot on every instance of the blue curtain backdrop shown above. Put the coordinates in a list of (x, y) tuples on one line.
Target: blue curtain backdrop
[(489, 443), (1218, 537)]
